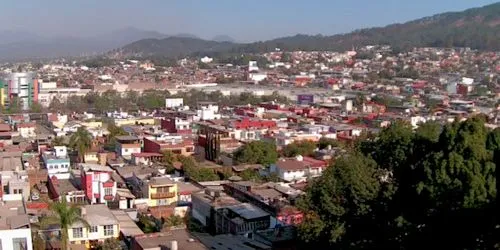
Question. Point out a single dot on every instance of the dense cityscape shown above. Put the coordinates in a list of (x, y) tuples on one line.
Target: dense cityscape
[(373, 147)]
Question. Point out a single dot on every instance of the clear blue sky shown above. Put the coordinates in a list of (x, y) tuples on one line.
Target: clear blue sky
[(244, 20)]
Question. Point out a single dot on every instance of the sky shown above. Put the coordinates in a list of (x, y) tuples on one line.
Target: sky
[(243, 20)]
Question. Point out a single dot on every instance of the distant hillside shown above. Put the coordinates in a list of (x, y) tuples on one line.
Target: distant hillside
[(478, 28), (173, 47), (223, 38)]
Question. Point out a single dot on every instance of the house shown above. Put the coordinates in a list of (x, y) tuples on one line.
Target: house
[(298, 168), (15, 185), (5, 134), (162, 191), (231, 215), (97, 183), (127, 145), (176, 125), (26, 130), (57, 162), (176, 145), (102, 225), (65, 188), (15, 231), (179, 239), (146, 158)]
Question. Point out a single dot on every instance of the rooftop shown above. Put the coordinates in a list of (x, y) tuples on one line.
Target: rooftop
[(99, 214), (95, 167), (127, 225), (185, 241), (248, 211), (13, 215)]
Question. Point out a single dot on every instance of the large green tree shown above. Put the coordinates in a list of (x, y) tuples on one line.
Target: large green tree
[(257, 152), (304, 148), (435, 186)]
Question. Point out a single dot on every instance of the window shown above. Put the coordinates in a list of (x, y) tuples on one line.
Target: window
[(108, 230), (162, 189), (126, 150), (93, 229), (20, 243), (162, 202), (108, 191), (78, 232)]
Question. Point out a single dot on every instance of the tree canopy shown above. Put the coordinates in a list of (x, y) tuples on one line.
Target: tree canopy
[(405, 189), (257, 152)]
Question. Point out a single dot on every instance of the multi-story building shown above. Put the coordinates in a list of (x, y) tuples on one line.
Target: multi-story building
[(162, 191), (15, 231), (97, 183), (102, 225), (3, 92), (127, 145), (22, 86), (222, 214), (57, 162), (175, 144), (298, 168), (14, 185)]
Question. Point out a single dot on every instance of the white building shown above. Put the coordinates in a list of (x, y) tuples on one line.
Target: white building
[(174, 102), (15, 231), (46, 96), (206, 59), (298, 169)]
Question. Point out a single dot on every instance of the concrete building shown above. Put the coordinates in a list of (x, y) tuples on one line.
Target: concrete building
[(97, 183), (22, 86), (57, 162), (102, 225), (15, 232)]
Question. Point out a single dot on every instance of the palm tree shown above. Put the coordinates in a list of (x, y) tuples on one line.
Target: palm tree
[(81, 141), (64, 215), (58, 141)]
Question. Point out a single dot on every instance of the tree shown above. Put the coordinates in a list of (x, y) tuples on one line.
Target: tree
[(304, 148), (257, 152), (38, 242), (173, 221), (64, 215), (339, 205), (324, 142), (36, 107), (250, 175), (110, 244), (58, 141), (114, 131), (81, 141)]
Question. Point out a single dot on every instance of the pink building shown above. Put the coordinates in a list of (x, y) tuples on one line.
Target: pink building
[(97, 183)]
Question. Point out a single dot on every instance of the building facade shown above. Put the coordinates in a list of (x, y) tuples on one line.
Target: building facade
[(97, 183), (22, 88)]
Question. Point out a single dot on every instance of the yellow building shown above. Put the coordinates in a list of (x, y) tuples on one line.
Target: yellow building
[(92, 124), (102, 225), (134, 121), (2, 94), (162, 191)]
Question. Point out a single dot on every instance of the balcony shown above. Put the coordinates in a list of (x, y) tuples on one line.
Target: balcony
[(163, 195)]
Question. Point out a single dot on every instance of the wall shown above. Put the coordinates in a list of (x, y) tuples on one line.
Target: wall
[(156, 202), (8, 235), (151, 146)]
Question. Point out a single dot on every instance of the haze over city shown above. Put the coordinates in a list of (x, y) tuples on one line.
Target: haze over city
[(244, 21)]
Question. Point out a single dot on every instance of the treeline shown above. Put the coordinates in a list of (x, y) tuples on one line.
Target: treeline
[(153, 99), (435, 188)]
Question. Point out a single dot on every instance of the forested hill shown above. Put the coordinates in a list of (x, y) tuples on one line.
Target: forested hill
[(478, 28)]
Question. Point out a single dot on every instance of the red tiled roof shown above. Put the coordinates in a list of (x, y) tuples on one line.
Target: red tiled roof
[(146, 154), (26, 125), (37, 205)]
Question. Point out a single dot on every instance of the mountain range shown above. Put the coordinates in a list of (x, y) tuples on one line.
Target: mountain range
[(25, 45), (477, 28)]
